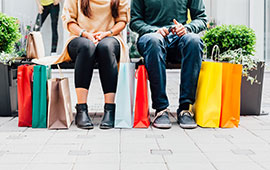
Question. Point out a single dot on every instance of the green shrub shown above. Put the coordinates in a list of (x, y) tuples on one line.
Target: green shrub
[(230, 37), (9, 33)]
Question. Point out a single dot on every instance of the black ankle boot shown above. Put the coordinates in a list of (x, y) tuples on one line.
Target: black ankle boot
[(108, 118), (82, 119)]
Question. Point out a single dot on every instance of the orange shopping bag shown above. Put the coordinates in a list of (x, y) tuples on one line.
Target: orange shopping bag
[(231, 90)]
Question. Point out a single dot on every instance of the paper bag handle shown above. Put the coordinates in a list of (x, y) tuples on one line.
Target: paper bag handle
[(214, 55), (60, 71)]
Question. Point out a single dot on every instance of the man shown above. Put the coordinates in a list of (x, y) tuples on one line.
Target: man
[(162, 27), (46, 7)]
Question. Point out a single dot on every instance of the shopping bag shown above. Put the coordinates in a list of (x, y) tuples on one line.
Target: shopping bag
[(40, 77), (35, 47), (207, 106), (25, 80), (141, 114), (59, 103), (231, 90), (124, 98)]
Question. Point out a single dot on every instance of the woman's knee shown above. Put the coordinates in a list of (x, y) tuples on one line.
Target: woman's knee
[(108, 47), (86, 46)]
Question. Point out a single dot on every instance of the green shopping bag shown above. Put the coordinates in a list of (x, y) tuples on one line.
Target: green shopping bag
[(40, 76)]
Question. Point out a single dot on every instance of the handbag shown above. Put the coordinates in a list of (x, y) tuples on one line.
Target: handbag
[(59, 103), (40, 77), (34, 47), (25, 86), (141, 113)]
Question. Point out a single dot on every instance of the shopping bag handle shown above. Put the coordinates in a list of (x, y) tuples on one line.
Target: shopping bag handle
[(214, 55), (60, 71)]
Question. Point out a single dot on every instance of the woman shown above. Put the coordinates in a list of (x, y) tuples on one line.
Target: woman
[(95, 27), (46, 7)]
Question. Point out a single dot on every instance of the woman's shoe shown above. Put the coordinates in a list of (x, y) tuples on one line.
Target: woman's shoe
[(108, 118), (82, 118)]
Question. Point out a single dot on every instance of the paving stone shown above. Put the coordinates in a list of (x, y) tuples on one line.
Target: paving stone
[(236, 166), (36, 166), (99, 158), (98, 166), (145, 166), (161, 152), (79, 152), (243, 152), (191, 165)]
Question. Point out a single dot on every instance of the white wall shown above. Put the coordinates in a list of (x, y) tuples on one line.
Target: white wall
[(240, 12), (0, 5), (26, 11), (257, 24)]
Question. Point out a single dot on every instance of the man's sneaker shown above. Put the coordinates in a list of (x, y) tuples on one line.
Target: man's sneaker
[(186, 119), (162, 120)]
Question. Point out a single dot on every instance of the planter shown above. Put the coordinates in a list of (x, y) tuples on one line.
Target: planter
[(8, 92), (251, 94)]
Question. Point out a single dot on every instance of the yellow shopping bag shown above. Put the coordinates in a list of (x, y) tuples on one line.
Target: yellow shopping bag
[(209, 94), (208, 97)]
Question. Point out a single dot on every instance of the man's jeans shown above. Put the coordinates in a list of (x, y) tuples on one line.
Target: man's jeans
[(188, 48)]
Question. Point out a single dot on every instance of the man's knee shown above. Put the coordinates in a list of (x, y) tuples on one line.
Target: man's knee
[(151, 39), (193, 40)]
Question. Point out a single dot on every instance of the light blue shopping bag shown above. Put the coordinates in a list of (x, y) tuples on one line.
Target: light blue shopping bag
[(125, 96)]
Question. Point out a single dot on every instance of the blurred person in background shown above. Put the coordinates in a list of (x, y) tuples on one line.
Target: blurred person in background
[(46, 7)]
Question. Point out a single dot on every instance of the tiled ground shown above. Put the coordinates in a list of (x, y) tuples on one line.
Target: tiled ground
[(247, 147)]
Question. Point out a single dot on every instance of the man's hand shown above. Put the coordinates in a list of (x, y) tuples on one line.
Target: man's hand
[(40, 9), (179, 29), (56, 2), (100, 35), (90, 37), (163, 31)]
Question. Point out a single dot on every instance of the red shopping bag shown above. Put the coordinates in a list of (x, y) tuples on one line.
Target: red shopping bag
[(141, 117), (25, 85)]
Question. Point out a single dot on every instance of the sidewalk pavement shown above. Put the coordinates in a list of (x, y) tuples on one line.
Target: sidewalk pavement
[(246, 147)]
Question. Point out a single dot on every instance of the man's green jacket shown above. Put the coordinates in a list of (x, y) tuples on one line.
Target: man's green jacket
[(149, 15)]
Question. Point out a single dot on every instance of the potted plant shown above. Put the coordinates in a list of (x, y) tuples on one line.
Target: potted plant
[(237, 44), (9, 35)]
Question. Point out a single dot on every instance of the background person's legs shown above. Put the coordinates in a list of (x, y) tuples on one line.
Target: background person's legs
[(41, 18), (54, 11)]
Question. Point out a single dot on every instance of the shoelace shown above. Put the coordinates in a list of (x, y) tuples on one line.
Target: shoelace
[(186, 112), (160, 114)]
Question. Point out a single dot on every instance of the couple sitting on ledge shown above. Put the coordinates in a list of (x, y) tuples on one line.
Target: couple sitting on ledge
[(95, 28)]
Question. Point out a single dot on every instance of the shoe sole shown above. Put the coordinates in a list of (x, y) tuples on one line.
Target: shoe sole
[(85, 127), (105, 127), (184, 126), (162, 126)]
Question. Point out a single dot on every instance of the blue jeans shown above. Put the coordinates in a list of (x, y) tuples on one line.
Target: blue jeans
[(188, 48)]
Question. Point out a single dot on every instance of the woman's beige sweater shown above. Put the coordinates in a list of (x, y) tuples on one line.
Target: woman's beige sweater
[(101, 20)]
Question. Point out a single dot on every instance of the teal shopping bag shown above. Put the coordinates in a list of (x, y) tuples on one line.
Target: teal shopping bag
[(40, 76), (124, 98)]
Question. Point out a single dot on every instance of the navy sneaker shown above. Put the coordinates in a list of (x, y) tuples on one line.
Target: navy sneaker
[(186, 119), (162, 120)]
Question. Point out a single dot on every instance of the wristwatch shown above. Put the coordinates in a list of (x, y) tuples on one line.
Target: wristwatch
[(82, 31)]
